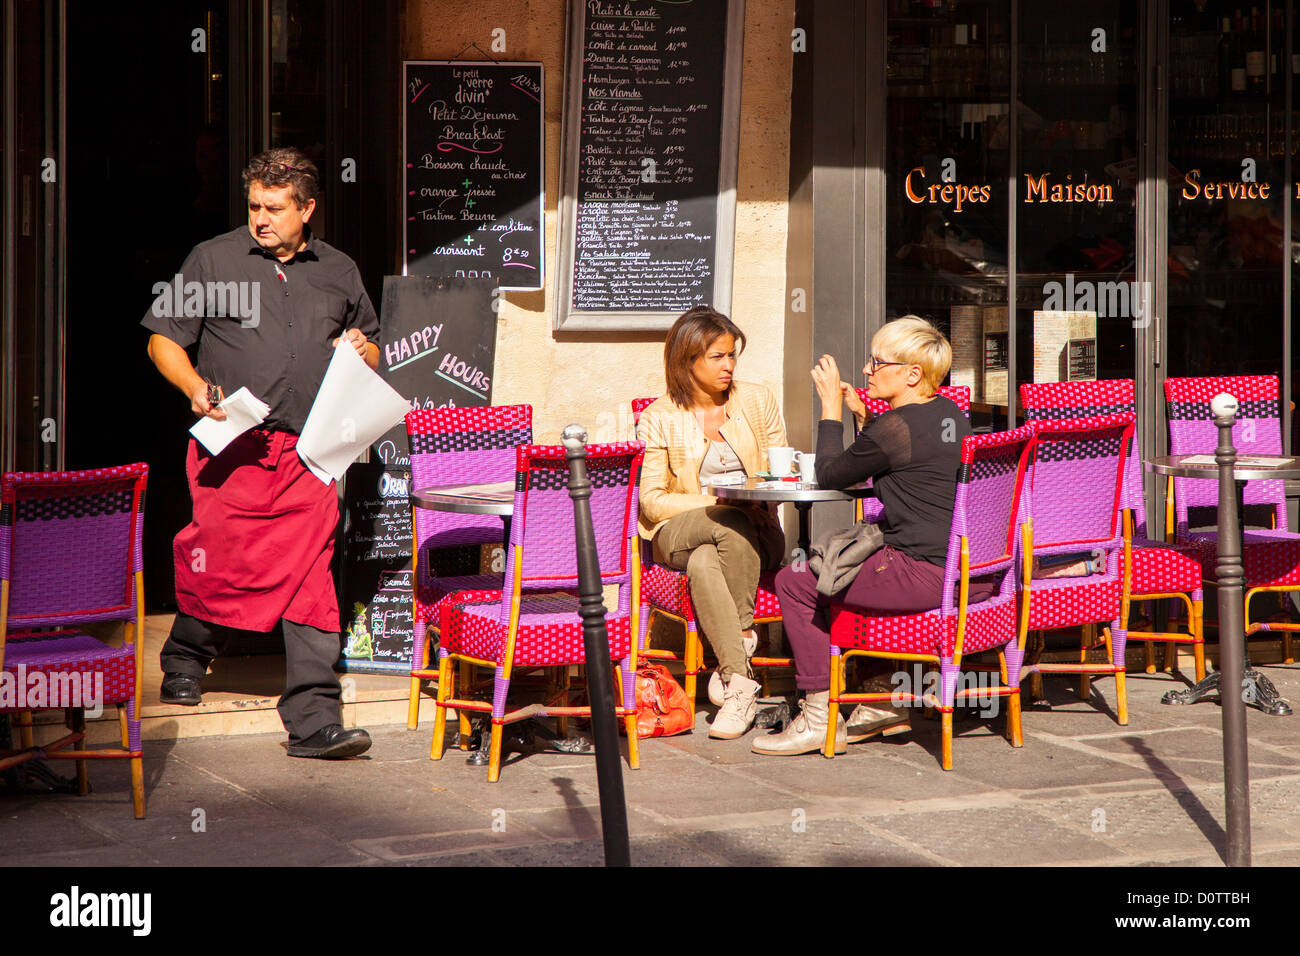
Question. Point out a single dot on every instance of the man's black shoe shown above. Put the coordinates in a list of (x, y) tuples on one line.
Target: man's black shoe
[(180, 689), (332, 741)]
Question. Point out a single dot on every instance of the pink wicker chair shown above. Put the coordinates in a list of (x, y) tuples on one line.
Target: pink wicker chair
[(451, 446), (869, 509), (520, 627), (666, 591), (1160, 569), (70, 555), (988, 537), (1271, 556), (1076, 500)]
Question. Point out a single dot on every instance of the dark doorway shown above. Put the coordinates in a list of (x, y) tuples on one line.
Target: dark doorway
[(148, 177)]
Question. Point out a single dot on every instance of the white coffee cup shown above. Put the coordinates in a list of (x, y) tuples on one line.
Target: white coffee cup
[(807, 465), (780, 460)]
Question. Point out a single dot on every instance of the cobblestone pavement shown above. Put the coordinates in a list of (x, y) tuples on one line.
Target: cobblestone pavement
[(1082, 791)]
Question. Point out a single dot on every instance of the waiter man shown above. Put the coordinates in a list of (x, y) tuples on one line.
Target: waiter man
[(266, 304)]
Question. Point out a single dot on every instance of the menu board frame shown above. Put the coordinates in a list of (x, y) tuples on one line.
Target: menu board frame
[(540, 238), (565, 317)]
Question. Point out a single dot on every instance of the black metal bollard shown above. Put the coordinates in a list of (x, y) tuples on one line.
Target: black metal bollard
[(604, 725), (1232, 639)]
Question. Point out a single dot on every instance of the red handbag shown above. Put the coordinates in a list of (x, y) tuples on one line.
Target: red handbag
[(661, 706)]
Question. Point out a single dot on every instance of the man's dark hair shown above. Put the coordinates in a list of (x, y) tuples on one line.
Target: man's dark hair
[(284, 166)]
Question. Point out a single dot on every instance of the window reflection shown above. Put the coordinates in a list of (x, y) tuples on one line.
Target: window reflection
[(946, 148), (1227, 143), (1076, 206)]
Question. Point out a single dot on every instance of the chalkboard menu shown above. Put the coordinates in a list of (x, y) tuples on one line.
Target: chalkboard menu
[(437, 343), (474, 168), (376, 609), (647, 211)]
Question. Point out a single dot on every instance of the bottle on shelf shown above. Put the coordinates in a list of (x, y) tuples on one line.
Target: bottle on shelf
[(1238, 74), (1256, 57), (1225, 56)]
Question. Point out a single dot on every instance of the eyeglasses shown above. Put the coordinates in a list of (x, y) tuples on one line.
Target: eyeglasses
[(874, 363)]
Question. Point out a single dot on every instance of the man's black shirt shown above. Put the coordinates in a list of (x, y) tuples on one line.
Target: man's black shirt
[(275, 337)]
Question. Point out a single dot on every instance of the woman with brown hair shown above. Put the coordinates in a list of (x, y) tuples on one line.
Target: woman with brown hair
[(707, 426)]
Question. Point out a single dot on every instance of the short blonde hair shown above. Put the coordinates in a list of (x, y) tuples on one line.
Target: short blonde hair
[(915, 341)]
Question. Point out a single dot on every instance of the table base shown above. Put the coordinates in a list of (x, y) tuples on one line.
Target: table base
[(1257, 691)]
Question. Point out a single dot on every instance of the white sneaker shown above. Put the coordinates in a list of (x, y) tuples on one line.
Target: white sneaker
[(717, 688), (738, 709), (865, 722)]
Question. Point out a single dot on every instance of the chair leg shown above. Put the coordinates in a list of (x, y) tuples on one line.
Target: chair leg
[(137, 787), (1087, 637), (135, 745), (1151, 656), (121, 720), (500, 687), (946, 744), (1010, 661), (693, 656), (494, 755), (464, 726), (1198, 630), (948, 677), (77, 723), (627, 681), (446, 685), (562, 682), (833, 709), (421, 662), (25, 737), (1118, 640)]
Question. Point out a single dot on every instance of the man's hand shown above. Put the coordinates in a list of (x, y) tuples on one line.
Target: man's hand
[(368, 351), (200, 405)]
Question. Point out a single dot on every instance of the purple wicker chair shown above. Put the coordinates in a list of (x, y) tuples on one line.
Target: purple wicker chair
[(1159, 569), (667, 591), (1270, 556), (870, 509), (1076, 499), (988, 537), (521, 627), (70, 555), (451, 446)]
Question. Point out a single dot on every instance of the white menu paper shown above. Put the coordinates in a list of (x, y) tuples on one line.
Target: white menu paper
[(243, 411), (353, 408)]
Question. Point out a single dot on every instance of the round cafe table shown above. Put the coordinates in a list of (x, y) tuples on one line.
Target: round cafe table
[(802, 494), (1258, 690)]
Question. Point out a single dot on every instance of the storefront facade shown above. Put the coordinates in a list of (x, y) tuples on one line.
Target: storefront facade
[(1098, 190), (1104, 189)]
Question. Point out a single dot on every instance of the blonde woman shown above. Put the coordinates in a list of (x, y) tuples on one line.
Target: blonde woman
[(710, 425), (912, 453)]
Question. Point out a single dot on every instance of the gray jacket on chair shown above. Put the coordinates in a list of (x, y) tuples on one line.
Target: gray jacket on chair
[(837, 556)]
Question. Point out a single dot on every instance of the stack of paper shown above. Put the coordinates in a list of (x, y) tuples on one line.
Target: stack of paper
[(353, 408), (243, 411)]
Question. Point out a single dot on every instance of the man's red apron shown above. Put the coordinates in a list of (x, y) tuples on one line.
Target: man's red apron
[(262, 539)]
